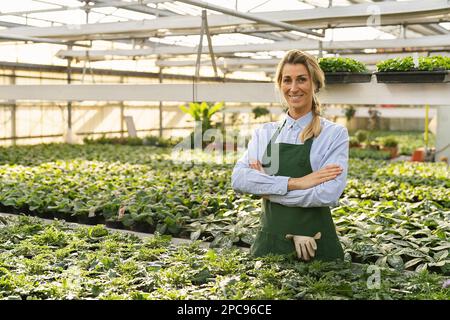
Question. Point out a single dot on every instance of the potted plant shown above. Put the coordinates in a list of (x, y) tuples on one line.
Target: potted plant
[(354, 143), (202, 114), (349, 112), (361, 136), (260, 112), (390, 144), (344, 70), (409, 70)]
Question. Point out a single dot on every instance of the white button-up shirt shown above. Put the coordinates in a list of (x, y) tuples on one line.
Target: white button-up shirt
[(330, 147)]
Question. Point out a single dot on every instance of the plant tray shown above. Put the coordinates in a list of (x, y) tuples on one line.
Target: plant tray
[(413, 77), (347, 77)]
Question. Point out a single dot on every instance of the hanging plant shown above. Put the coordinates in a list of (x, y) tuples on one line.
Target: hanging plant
[(410, 70), (344, 70), (349, 112), (260, 111)]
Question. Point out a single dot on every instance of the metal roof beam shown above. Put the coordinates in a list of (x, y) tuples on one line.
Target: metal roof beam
[(368, 58), (10, 24), (62, 70), (139, 6), (252, 17), (361, 93), (431, 29), (391, 13), (220, 62), (40, 40), (437, 42)]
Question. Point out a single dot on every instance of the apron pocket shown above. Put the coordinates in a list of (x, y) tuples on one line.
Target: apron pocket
[(271, 243)]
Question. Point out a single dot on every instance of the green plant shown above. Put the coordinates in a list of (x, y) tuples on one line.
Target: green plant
[(389, 142), (159, 142), (349, 112), (361, 136), (341, 65), (407, 64), (202, 112), (373, 144), (391, 201), (94, 263), (260, 111), (353, 142), (132, 141), (408, 140), (369, 154)]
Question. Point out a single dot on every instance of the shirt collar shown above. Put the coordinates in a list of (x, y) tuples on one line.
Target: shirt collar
[(300, 122)]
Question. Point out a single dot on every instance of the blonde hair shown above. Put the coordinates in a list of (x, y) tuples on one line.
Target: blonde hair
[(318, 80)]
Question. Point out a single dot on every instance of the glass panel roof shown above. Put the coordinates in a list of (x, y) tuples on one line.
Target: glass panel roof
[(76, 14)]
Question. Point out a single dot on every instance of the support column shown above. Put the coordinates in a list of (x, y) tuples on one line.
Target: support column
[(122, 118), (443, 133), (13, 114), (122, 113), (69, 133), (160, 106), (13, 124), (224, 118)]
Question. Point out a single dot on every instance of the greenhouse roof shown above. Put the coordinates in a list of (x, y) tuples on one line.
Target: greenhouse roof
[(251, 35)]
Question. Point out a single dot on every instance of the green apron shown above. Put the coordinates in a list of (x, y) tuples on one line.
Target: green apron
[(278, 220)]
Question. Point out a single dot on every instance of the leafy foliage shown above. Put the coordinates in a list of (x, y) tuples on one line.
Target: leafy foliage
[(349, 112), (369, 154), (389, 142), (134, 141), (408, 141), (407, 64), (202, 112), (341, 65), (361, 135), (94, 263), (260, 112), (144, 189)]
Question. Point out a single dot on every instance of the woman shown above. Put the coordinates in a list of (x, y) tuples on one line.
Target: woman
[(299, 167)]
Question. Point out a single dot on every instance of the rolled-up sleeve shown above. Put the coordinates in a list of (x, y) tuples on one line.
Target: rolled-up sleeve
[(247, 180), (328, 193)]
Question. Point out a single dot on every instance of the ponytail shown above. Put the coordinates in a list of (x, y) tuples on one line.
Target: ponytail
[(314, 128)]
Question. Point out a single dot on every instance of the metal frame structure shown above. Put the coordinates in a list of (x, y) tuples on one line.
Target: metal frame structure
[(357, 15), (418, 22), (361, 93), (415, 26), (438, 42)]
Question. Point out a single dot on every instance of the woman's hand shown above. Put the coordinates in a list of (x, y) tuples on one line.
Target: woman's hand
[(315, 178), (257, 166)]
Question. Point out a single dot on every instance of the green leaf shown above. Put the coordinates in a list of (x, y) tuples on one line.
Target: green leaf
[(395, 262), (215, 108), (248, 238), (161, 228), (195, 235), (441, 255), (201, 277), (412, 253), (413, 262), (421, 267), (441, 247), (438, 264)]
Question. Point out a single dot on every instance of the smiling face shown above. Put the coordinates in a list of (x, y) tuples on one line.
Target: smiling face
[(297, 89)]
